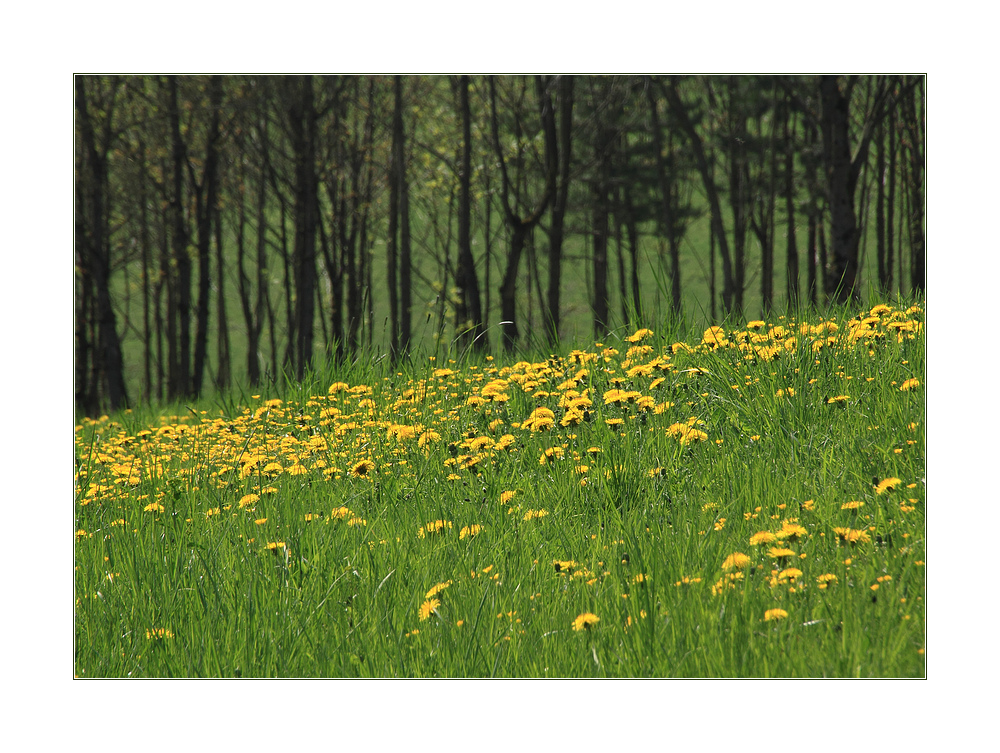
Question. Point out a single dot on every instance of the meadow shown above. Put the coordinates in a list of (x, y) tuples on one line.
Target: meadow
[(742, 501)]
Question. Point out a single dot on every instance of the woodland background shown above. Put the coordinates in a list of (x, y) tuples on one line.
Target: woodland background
[(231, 230)]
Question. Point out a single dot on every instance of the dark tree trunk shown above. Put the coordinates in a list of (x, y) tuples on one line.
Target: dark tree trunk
[(792, 255), (391, 247), (667, 221), (147, 297), (179, 327), (914, 132), (702, 162), (224, 377), (844, 233), (880, 208), (206, 208), (601, 224), (890, 218), (405, 253), (302, 120), (564, 145), (469, 315), (739, 189), (93, 258), (813, 212), (520, 227), (842, 172), (251, 314)]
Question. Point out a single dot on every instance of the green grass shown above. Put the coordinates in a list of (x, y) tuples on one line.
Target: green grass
[(636, 530)]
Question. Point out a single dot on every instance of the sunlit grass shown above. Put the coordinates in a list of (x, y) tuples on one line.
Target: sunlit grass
[(746, 502)]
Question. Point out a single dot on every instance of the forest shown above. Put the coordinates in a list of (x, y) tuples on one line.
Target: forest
[(230, 230)]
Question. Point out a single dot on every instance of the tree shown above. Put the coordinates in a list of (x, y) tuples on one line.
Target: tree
[(301, 124), (842, 171), (680, 112), (93, 255), (469, 312), (520, 226)]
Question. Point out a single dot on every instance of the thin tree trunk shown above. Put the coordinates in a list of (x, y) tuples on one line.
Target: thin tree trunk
[(302, 119), (206, 207), (880, 208), (520, 227), (179, 384), (470, 309), (564, 146), (914, 123), (702, 162), (792, 255)]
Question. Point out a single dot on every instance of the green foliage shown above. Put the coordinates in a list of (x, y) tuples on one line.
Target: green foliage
[(577, 514)]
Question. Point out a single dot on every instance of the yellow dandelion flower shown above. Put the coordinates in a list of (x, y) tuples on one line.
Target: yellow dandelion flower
[(156, 507), (780, 553), (790, 573), (852, 536), (585, 621), (888, 485), (792, 531), (762, 537), (639, 335), (248, 499), (838, 399), (469, 531), (159, 634), (437, 526), (362, 468), (827, 579), (428, 608), (909, 384), (506, 497), (437, 589), (535, 514), (853, 505), (775, 614), (736, 561)]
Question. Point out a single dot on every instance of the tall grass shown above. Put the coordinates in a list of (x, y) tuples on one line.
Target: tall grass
[(742, 502)]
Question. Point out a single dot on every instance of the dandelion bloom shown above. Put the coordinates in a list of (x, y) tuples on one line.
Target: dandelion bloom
[(437, 526), (827, 579), (790, 530), (762, 537), (714, 336), (428, 607), (469, 531), (780, 553), (158, 633), (852, 536), (153, 507), (585, 621), (888, 485), (736, 561), (790, 573), (854, 505), (775, 614), (909, 384), (838, 399), (248, 499), (435, 590), (362, 468), (641, 334)]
